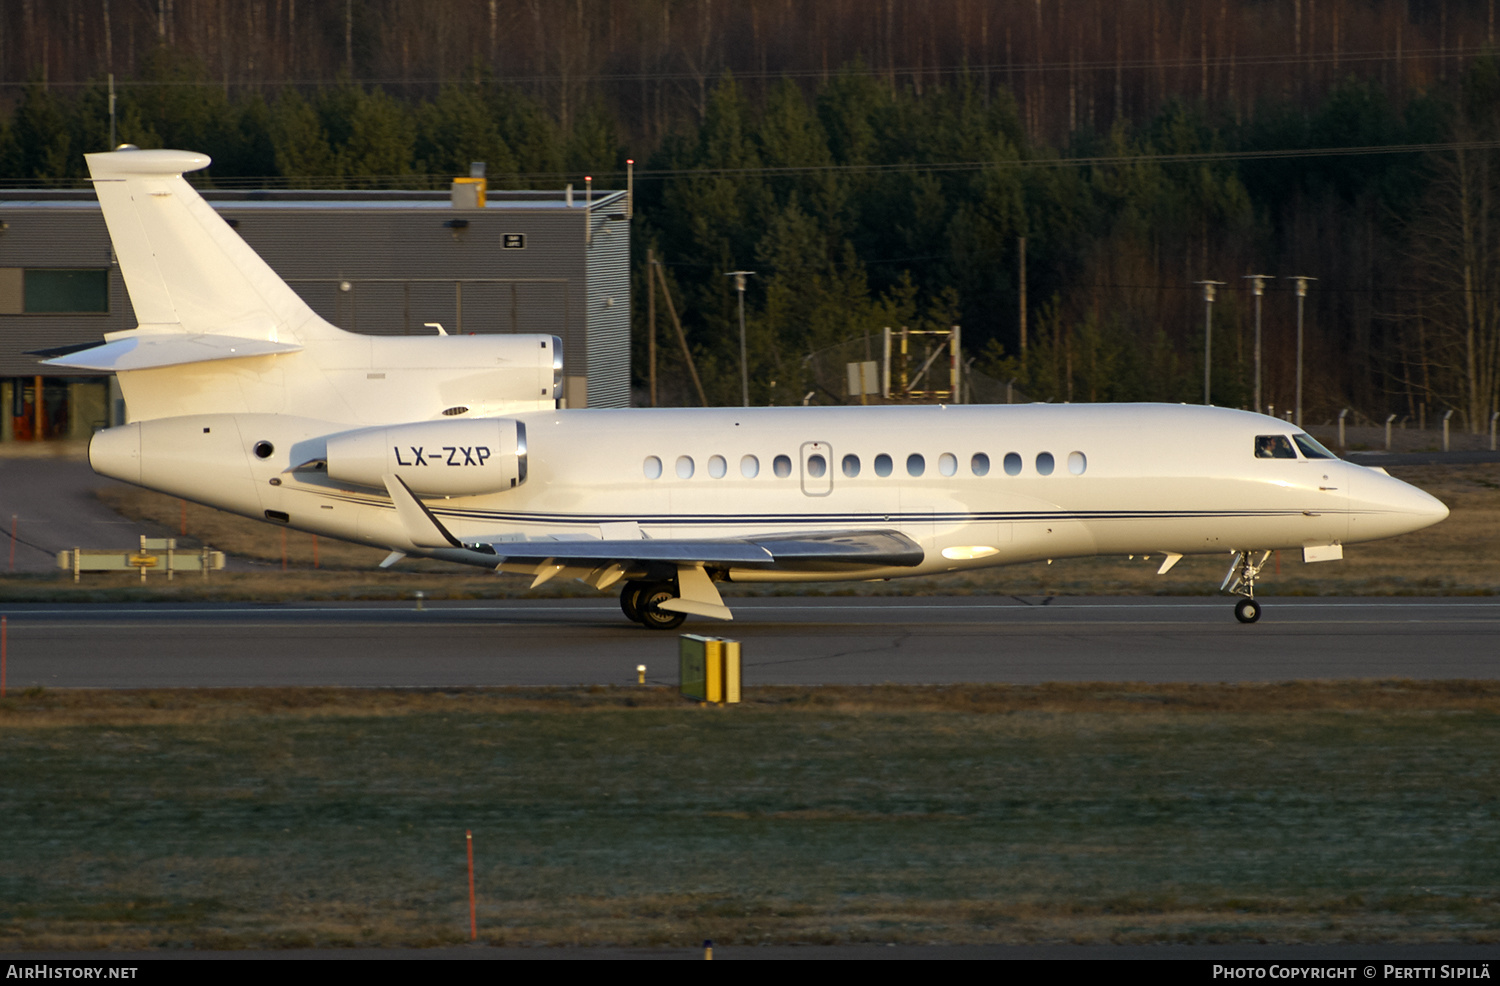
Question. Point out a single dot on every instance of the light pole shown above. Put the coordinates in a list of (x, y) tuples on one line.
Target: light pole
[(1257, 288), (1301, 294), (1209, 289), (739, 285)]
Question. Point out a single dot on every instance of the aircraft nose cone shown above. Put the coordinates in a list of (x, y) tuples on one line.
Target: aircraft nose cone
[(1384, 506)]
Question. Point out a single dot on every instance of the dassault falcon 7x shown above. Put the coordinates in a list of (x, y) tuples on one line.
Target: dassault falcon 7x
[(240, 397)]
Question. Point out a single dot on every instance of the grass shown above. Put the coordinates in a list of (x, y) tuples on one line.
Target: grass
[(1354, 811)]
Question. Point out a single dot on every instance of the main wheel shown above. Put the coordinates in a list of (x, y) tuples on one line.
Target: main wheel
[(630, 600), (1247, 610), (658, 619)]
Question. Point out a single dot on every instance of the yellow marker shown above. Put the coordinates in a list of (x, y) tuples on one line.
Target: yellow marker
[(708, 949)]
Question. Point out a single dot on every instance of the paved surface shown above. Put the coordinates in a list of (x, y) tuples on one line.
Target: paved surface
[(52, 505), (786, 641)]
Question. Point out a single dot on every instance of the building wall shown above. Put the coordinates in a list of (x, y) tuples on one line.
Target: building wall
[(378, 267)]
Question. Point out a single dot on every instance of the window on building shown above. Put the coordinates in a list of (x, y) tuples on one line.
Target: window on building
[(65, 292)]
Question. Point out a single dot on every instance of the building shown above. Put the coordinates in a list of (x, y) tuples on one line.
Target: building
[(373, 262)]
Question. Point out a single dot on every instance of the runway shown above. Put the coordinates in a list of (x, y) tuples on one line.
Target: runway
[(786, 640)]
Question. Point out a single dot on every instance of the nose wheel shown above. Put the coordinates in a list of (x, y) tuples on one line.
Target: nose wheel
[(1241, 581)]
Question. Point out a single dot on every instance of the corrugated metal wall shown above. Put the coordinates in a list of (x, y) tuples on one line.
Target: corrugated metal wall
[(380, 268)]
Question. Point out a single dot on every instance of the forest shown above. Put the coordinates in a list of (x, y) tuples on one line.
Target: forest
[(1056, 176)]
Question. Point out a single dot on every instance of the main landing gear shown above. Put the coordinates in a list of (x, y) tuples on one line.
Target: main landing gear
[(1241, 581), (638, 601)]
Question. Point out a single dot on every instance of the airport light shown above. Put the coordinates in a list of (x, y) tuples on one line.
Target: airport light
[(1209, 290), (1257, 288), (1301, 294), (739, 285)]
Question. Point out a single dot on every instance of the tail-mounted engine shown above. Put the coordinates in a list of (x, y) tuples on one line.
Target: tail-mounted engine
[(434, 458)]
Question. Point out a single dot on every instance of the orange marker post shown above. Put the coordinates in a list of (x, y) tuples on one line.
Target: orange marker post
[(473, 921)]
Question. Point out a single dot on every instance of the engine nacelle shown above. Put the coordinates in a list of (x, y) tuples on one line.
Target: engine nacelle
[(434, 458)]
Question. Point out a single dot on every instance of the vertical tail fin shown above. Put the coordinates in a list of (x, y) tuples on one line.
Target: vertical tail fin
[(186, 270)]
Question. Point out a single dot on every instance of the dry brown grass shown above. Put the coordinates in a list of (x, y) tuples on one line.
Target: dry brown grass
[(44, 709)]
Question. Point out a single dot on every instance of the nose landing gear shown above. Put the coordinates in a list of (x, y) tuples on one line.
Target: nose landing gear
[(1241, 581)]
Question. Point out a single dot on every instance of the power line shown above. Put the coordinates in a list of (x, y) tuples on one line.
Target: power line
[(908, 71)]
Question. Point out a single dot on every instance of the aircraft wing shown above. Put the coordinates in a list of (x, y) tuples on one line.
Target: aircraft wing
[(605, 561), (817, 551)]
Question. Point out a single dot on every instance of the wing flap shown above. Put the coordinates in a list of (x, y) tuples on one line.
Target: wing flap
[(828, 551)]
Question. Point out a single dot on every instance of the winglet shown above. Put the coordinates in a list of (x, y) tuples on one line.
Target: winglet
[(422, 528)]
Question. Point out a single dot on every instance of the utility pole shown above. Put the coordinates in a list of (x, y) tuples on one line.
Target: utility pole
[(1021, 279), (739, 285), (1301, 294), (1209, 290), (1257, 288), (651, 319)]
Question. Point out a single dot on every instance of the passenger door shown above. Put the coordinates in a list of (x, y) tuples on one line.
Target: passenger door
[(817, 469)]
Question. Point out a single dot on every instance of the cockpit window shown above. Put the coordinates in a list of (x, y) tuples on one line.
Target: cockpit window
[(1310, 447), (1274, 447)]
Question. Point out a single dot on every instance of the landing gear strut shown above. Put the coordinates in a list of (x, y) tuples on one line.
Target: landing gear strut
[(1241, 581)]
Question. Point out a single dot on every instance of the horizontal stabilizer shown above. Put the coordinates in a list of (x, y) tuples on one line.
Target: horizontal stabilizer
[(144, 352)]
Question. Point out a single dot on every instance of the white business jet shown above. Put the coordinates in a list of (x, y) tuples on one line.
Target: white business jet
[(242, 398)]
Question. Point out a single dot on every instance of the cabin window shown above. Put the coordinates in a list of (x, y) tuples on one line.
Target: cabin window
[(882, 465), (915, 464), (781, 466), (717, 467), (652, 467), (1044, 463), (749, 467), (816, 466), (851, 466), (1310, 447), (980, 464), (1274, 447), (1012, 464), (684, 467), (948, 464), (1077, 463)]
